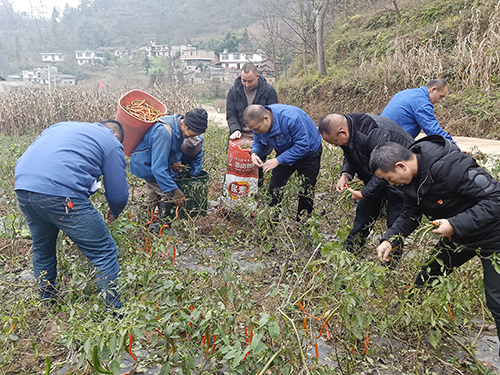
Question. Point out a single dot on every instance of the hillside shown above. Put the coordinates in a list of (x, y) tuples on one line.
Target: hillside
[(371, 56), (112, 23)]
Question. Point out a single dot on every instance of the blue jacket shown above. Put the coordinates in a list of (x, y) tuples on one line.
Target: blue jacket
[(413, 111), (158, 150), (293, 135), (68, 158), (194, 162)]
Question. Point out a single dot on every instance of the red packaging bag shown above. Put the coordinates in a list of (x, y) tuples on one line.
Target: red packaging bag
[(241, 175)]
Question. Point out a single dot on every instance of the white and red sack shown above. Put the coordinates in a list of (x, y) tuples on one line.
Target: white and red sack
[(241, 174)]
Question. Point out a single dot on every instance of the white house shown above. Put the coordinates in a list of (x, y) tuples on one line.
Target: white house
[(52, 57), (235, 60), (156, 50), (88, 57)]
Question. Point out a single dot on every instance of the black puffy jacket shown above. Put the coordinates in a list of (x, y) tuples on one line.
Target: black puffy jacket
[(451, 185), (366, 132), (237, 101)]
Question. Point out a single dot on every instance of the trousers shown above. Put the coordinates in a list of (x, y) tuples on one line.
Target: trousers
[(367, 212), (46, 215), (448, 257), (308, 169)]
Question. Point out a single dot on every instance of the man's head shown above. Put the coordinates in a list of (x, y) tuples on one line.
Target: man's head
[(334, 129), (191, 146), (249, 76), (394, 163), (438, 89), (116, 127), (258, 118), (194, 123)]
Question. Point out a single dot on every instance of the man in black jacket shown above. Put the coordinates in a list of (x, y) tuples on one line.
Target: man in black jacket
[(451, 189), (248, 88), (358, 134)]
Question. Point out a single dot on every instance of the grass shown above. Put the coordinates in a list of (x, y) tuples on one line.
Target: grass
[(206, 313)]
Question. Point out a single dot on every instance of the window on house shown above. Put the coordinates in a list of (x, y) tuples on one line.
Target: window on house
[(236, 56), (225, 56), (249, 56)]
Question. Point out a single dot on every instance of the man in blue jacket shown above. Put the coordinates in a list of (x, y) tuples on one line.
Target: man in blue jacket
[(413, 109), (294, 137), (54, 179), (155, 157)]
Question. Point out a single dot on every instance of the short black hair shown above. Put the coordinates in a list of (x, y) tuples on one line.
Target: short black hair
[(385, 157), (249, 67), (439, 83), (324, 125), (116, 127)]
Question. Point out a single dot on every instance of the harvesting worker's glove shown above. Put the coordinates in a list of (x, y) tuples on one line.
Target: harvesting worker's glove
[(179, 198)]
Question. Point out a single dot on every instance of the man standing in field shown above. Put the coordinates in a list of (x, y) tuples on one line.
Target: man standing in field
[(54, 179), (155, 157), (461, 198), (249, 88), (413, 109), (294, 137), (358, 134)]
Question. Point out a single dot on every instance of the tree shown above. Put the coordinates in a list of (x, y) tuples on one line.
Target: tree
[(320, 44)]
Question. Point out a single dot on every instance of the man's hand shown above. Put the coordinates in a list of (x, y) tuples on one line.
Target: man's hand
[(445, 229), (179, 198), (270, 164), (109, 217), (256, 160), (355, 194), (383, 251), (342, 182), (236, 134)]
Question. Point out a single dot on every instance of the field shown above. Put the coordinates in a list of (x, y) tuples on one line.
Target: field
[(240, 294)]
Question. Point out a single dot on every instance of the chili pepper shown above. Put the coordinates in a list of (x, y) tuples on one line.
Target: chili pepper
[(152, 217), (316, 350), (130, 341), (246, 335), (305, 327), (143, 111), (97, 362), (366, 344), (204, 338), (449, 312)]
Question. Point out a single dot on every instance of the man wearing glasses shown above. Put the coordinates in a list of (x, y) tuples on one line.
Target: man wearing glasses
[(357, 134)]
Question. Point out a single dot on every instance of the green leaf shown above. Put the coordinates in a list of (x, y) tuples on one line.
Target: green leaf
[(165, 369), (434, 341), (137, 333), (274, 329), (14, 337), (264, 319), (113, 341), (115, 366)]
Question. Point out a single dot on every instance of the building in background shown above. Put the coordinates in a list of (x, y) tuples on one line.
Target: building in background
[(235, 60), (89, 57), (195, 58), (52, 57)]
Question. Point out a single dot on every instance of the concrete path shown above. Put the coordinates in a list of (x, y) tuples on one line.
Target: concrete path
[(486, 146)]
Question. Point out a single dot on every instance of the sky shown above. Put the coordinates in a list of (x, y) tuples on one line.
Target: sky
[(46, 6)]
